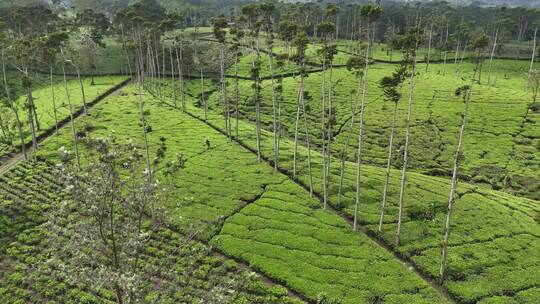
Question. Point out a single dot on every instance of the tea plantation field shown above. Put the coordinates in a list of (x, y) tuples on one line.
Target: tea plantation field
[(45, 109), (494, 234), (501, 144), (209, 200), (240, 208), (29, 275)]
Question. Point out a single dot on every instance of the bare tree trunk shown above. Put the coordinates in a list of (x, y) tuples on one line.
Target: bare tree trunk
[(85, 108), (53, 99), (295, 154), (456, 55), (274, 107), (143, 121), (151, 67), (406, 150), (13, 107), (347, 26), (203, 99), (323, 131), (181, 79), (451, 199), (72, 120), (224, 90), (492, 54), (445, 49), (163, 70), (303, 105), (388, 167), (158, 69), (429, 47), (361, 136), (34, 112), (173, 85), (30, 108), (280, 101), (533, 55), (347, 141), (329, 131), (258, 106), (3, 127), (337, 27), (236, 93), (125, 50)]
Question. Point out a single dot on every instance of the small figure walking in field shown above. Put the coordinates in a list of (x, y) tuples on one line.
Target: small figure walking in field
[(207, 143)]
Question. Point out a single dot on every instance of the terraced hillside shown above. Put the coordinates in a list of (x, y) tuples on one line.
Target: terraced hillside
[(45, 107), (209, 196), (502, 137), (272, 224), (269, 152), (483, 220), (29, 275)]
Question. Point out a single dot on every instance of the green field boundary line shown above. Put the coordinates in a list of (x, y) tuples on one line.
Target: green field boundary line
[(9, 160), (443, 292)]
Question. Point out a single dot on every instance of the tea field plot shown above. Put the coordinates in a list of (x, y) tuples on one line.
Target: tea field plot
[(221, 180), (287, 235), (29, 274), (494, 234), (500, 147), (45, 107)]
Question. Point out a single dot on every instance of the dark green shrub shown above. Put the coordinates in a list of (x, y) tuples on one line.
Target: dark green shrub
[(534, 106), (422, 212)]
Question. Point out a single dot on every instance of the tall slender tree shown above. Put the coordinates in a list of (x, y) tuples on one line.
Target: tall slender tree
[(327, 52), (369, 13), (464, 91), (238, 34), (11, 104), (220, 24), (71, 116), (356, 65), (391, 86), (267, 11), (49, 52), (409, 45), (533, 53), (301, 43), (252, 14)]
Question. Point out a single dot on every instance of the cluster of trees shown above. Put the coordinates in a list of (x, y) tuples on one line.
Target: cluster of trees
[(43, 44)]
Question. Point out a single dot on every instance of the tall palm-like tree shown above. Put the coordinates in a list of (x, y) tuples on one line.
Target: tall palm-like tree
[(409, 43), (220, 24), (464, 91), (237, 34), (391, 86), (327, 52), (479, 44), (301, 43), (533, 53), (356, 65), (252, 13), (370, 13), (267, 10)]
